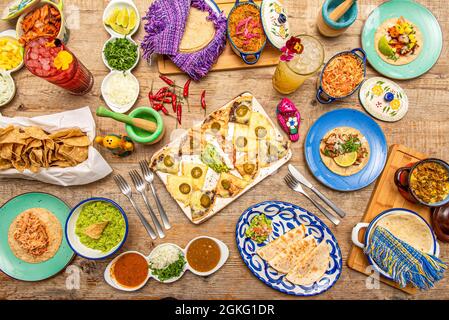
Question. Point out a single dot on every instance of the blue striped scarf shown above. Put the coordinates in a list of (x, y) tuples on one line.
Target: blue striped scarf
[(402, 262)]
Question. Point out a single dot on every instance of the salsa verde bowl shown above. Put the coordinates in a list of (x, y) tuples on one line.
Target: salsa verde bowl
[(434, 248), (247, 57), (324, 97), (74, 239)]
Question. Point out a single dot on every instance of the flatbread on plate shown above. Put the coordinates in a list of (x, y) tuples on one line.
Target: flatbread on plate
[(270, 250), (198, 32)]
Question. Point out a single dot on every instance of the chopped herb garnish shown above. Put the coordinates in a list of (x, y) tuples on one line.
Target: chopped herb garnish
[(121, 54), (173, 270)]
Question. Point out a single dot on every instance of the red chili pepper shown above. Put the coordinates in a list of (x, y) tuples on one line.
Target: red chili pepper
[(174, 100), (158, 107), (164, 110), (185, 91), (150, 94), (179, 113), (203, 101), (167, 80), (161, 92)]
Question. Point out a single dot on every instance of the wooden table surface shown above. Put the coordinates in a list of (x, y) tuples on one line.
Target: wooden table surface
[(424, 128)]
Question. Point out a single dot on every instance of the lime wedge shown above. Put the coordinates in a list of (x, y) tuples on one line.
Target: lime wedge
[(346, 159), (384, 47)]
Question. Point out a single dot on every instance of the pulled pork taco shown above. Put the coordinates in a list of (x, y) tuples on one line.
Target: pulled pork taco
[(35, 235), (344, 150), (398, 41)]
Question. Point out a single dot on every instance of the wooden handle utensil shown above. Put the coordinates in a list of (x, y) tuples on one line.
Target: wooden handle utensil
[(144, 124), (341, 10)]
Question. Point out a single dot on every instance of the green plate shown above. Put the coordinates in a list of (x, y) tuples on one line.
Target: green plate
[(22, 270), (426, 22)]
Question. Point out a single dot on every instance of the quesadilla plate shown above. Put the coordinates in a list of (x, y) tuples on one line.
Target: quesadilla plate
[(300, 256), (218, 160)]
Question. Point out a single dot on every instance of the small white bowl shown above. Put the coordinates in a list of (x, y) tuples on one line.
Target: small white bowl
[(8, 77), (112, 39), (74, 241), (12, 35), (224, 252), (120, 3), (110, 104)]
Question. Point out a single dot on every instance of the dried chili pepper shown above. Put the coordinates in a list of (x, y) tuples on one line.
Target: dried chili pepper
[(179, 113), (167, 80), (164, 110), (203, 101), (161, 92), (185, 91), (150, 94), (174, 101), (157, 107)]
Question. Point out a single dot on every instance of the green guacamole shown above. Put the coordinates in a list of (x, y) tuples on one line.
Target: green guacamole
[(100, 211)]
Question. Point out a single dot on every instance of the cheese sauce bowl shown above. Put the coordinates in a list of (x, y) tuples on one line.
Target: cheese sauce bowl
[(324, 97)]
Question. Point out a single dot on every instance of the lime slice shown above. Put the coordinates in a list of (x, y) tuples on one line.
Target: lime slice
[(346, 160), (384, 47), (123, 18)]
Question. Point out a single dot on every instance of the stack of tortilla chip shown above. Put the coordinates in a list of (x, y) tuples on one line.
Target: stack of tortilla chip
[(32, 148)]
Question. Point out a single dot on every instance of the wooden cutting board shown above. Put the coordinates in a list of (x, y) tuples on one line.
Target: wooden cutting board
[(386, 196), (228, 59)]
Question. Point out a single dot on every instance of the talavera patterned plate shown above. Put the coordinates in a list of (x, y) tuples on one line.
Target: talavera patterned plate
[(286, 216)]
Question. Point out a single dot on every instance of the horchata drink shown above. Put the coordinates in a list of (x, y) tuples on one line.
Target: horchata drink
[(302, 56), (49, 59)]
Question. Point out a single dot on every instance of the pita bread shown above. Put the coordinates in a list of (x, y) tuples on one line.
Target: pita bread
[(311, 268), (281, 243), (53, 230), (293, 254), (198, 33)]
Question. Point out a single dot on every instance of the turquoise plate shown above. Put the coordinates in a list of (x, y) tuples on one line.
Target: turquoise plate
[(17, 268), (426, 22)]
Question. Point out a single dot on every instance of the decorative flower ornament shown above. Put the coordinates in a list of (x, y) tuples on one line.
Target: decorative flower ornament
[(377, 90), (292, 46)]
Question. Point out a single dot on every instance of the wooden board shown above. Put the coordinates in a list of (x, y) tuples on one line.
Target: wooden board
[(228, 59), (386, 196)]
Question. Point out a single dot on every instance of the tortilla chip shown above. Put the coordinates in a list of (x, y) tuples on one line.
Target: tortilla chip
[(95, 230), (77, 141)]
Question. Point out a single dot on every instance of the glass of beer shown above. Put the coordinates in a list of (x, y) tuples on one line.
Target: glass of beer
[(291, 74)]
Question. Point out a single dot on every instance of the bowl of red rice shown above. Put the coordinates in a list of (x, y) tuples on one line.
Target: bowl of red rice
[(245, 31), (342, 75)]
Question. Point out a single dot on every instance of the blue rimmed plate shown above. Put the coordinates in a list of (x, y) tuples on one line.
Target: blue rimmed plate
[(427, 24), (19, 269), (286, 216), (346, 118)]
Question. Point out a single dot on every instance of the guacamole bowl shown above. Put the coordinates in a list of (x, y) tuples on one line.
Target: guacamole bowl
[(96, 228)]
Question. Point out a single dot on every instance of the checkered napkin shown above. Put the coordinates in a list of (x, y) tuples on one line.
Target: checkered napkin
[(402, 262)]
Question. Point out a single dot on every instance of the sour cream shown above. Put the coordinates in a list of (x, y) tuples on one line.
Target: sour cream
[(121, 89), (6, 88)]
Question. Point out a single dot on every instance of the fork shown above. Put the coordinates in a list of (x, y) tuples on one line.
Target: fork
[(296, 186), (141, 188), (149, 177), (126, 190)]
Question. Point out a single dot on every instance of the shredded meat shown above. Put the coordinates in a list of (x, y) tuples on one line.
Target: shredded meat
[(31, 234), (333, 146)]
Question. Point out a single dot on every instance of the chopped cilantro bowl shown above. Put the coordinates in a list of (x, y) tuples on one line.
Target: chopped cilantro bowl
[(167, 262), (121, 54), (259, 228)]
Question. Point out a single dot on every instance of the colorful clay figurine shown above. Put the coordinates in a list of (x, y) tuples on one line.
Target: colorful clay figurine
[(289, 118), (119, 145)]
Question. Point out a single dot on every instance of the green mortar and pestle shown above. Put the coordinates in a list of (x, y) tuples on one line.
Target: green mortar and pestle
[(143, 125)]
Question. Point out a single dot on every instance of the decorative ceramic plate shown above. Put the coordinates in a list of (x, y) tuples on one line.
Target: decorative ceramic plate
[(286, 216), (17, 268), (417, 14), (346, 118), (275, 22), (383, 99)]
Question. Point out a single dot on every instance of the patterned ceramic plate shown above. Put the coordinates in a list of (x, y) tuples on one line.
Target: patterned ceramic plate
[(286, 216), (383, 99), (346, 118), (17, 268)]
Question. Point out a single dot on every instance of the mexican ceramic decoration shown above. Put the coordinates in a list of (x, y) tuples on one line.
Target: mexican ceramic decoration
[(275, 22), (289, 118), (383, 99), (119, 145)]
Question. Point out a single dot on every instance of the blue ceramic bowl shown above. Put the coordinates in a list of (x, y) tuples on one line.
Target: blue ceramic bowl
[(247, 57), (435, 250), (73, 240), (345, 21), (324, 97)]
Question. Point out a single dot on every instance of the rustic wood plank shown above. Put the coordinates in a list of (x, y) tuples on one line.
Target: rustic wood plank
[(425, 128)]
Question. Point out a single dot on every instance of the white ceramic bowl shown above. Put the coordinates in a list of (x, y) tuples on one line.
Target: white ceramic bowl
[(120, 3), (74, 241), (106, 62), (112, 105), (224, 251), (8, 77), (12, 35)]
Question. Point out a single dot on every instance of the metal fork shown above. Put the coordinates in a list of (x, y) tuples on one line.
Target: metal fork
[(141, 188), (296, 186), (126, 190), (149, 177)]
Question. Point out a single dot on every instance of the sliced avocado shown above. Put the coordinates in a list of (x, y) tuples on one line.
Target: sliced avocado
[(384, 47)]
